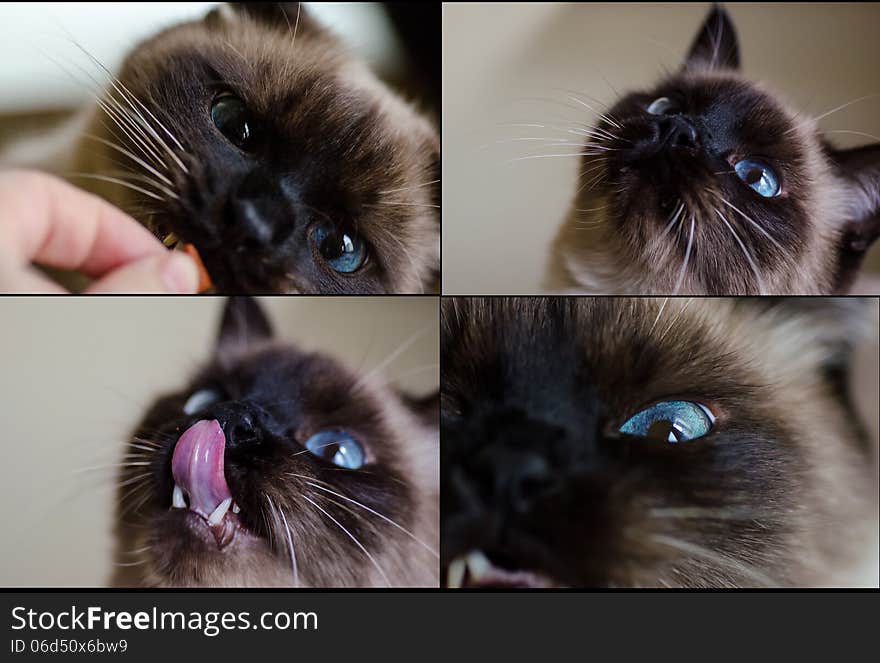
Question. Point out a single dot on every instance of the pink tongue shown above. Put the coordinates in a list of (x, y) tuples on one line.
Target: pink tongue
[(197, 466)]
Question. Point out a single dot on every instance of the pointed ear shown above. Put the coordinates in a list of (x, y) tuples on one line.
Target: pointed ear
[(859, 169), (426, 408), (281, 15), (716, 45), (243, 324)]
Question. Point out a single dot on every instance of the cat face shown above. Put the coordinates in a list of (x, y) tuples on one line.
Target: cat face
[(276, 467), (254, 136), (708, 183), (597, 442)]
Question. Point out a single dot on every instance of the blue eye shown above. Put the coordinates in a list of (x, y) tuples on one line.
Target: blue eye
[(343, 252), (671, 421), (758, 175), (661, 106), (337, 447), (200, 400)]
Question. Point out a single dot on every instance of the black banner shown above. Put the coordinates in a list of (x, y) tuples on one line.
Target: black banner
[(332, 624)]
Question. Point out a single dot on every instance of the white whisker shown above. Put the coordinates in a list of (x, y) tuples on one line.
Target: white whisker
[(131, 156), (753, 222), (407, 188), (115, 180), (352, 537), (687, 255), (833, 110), (391, 357), (673, 218), (290, 547), (847, 131), (376, 513), (745, 251), (393, 203)]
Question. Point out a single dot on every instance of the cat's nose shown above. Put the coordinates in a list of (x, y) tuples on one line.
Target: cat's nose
[(258, 213), (518, 462), (255, 229), (661, 136), (678, 131), (521, 479), (240, 423)]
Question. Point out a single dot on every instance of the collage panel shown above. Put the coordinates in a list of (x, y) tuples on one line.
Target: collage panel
[(611, 442), (661, 149), (173, 442), (282, 148)]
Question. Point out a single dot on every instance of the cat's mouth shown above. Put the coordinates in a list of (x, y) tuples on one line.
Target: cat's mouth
[(197, 466), (227, 275), (475, 569)]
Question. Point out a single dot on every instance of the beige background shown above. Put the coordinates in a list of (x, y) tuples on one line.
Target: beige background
[(513, 63), (77, 374), (36, 38)]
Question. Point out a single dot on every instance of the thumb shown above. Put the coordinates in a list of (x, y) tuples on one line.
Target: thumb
[(169, 273)]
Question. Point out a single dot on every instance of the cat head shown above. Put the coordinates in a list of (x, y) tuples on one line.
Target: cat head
[(256, 137), (598, 442), (708, 183), (279, 467)]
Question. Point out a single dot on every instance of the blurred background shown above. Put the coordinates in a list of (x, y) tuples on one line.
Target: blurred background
[(399, 40), (515, 64), (79, 372)]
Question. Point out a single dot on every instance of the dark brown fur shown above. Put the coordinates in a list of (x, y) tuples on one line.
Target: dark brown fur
[(781, 492)]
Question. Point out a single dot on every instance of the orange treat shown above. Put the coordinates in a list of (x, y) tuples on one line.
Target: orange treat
[(204, 279)]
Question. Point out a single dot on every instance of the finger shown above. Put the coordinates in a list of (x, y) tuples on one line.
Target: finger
[(44, 219), (171, 272), (25, 280)]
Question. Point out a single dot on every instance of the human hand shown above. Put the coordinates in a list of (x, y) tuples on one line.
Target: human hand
[(48, 221)]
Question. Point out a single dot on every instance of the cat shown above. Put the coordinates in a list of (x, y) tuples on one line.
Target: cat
[(254, 136), (277, 467), (709, 184), (642, 442)]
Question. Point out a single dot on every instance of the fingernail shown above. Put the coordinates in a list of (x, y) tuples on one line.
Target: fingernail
[(180, 274)]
